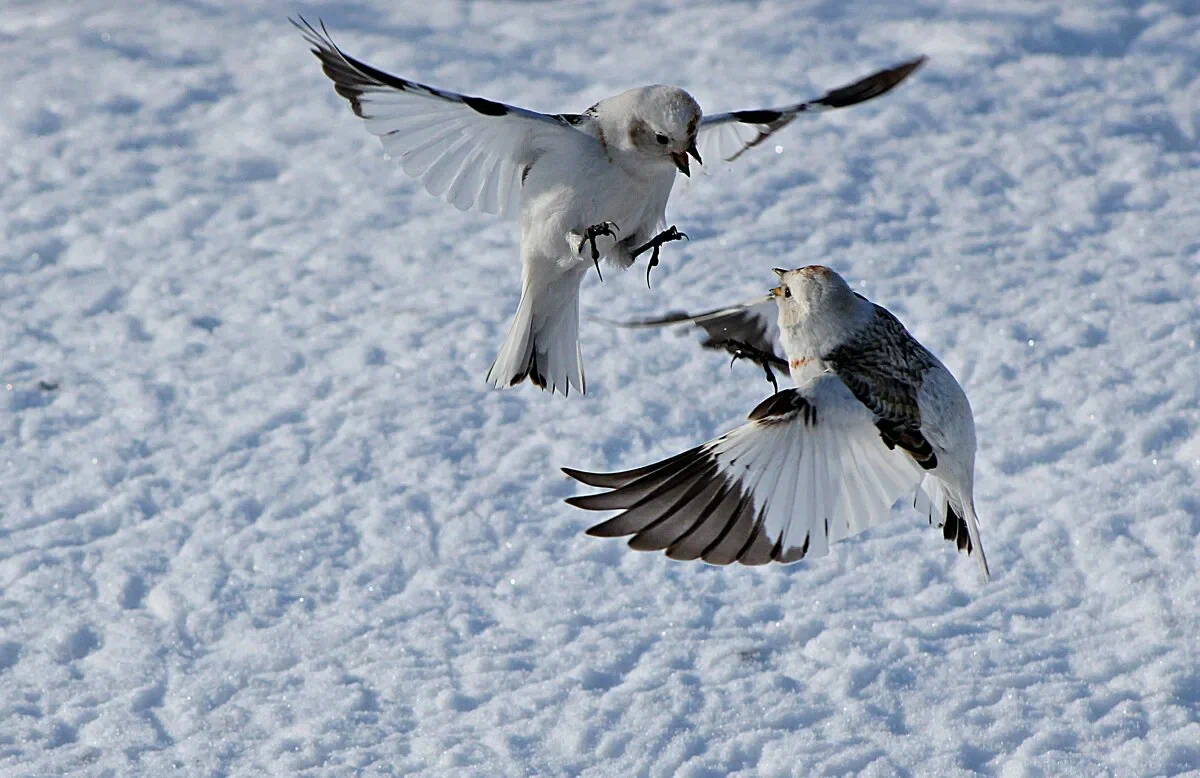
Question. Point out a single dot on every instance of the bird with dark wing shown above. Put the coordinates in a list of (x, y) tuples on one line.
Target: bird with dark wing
[(872, 417)]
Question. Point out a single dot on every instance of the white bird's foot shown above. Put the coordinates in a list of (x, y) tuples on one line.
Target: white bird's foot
[(666, 236), (596, 230), (589, 236)]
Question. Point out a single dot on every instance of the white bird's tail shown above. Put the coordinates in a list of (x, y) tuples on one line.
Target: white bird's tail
[(543, 341), (976, 538)]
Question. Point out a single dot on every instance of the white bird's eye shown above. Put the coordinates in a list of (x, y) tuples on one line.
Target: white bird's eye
[(787, 292), (661, 138)]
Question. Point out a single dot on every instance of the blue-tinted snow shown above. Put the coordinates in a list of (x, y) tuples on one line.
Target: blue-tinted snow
[(268, 520)]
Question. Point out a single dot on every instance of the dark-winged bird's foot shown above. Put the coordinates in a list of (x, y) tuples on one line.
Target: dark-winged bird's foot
[(666, 236), (590, 235), (742, 350)]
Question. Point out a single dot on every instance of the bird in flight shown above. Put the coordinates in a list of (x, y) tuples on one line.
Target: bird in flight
[(584, 186), (873, 417)]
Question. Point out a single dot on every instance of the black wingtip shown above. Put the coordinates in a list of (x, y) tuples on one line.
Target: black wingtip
[(486, 107), (599, 480), (906, 69), (310, 32), (575, 502), (872, 86)]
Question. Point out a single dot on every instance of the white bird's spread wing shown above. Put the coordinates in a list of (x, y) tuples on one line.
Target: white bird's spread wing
[(726, 136), (738, 329), (808, 470), (470, 151)]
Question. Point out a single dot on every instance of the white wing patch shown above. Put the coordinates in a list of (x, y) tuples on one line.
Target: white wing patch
[(808, 470), (828, 476), (470, 151)]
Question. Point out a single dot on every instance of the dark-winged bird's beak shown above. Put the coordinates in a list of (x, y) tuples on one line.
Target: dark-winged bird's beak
[(681, 162), (695, 154), (779, 271)]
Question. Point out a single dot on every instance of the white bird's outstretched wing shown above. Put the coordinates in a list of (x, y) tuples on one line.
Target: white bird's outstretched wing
[(726, 136), (747, 330), (470, 151), (808, 470)]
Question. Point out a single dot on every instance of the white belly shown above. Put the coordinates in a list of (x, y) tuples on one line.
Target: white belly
[(593, 192)]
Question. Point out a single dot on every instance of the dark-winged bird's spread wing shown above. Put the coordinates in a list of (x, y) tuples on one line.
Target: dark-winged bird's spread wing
[(748, 330), (807, 470)]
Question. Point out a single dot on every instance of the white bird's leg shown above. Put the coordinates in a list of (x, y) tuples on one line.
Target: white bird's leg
[(589, 236), (666, 236)]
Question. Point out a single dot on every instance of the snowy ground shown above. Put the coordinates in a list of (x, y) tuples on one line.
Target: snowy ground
[(263, 516)]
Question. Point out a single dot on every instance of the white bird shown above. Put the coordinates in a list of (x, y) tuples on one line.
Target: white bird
[(599, 180), (873, 417)]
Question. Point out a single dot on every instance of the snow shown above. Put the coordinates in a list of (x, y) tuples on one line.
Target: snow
[(261, 516)]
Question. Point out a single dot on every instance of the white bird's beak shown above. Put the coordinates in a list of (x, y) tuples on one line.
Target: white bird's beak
[(681, 162)]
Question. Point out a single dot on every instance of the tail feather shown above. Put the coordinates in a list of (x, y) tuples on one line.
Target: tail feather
[(542, 344), (976, 539), (959, 525)]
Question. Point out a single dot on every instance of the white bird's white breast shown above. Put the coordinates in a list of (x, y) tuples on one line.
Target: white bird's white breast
[(573, 187)]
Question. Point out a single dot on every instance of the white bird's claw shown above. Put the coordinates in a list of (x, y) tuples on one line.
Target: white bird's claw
[(591, 233)]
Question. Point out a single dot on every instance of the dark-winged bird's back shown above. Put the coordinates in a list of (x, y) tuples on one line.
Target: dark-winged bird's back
[(884, 367)]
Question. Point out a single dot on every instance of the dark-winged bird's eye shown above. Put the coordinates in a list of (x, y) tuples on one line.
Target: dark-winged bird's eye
[(661, 138)]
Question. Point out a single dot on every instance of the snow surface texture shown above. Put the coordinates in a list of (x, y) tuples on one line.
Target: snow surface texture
[(265, 518)]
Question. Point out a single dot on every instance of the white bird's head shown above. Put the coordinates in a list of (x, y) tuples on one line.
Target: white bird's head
[(816, 304), (657, 126)]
